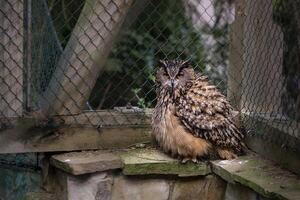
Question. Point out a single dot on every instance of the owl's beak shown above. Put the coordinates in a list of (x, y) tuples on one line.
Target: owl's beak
[(172, 84)]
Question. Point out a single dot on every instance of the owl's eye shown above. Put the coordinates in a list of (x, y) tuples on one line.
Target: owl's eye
[(180, 73)]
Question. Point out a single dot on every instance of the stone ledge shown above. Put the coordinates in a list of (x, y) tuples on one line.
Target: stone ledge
[(152, 161), (132, 162), (261, 175), (251, 171), (84, 162)]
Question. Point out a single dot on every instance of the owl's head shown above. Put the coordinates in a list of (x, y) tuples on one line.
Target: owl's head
[(174, 75)]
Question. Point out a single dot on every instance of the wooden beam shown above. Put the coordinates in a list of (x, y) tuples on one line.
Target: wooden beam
[(84, 56), (263, 55), (89, 130), (71, 139), (103, 118), (236, 51)]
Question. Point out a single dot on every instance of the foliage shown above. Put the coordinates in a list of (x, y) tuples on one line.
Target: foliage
[(160, 32), (64, 15)]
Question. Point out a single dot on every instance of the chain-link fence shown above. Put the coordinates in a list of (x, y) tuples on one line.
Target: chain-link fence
[(270, 90), (92, 63), (73, 56)]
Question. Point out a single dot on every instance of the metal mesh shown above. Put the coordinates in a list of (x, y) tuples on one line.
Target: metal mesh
[(71, 59), (270, 76)]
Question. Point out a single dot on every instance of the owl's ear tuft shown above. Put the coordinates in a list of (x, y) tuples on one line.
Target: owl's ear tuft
[(185, 63), (162, 63)]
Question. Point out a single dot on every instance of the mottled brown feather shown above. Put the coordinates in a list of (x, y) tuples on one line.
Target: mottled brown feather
[(207, 114), (191, 117)]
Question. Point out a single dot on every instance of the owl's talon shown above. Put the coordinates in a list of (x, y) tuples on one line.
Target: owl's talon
[(184, 160), (194, 160)]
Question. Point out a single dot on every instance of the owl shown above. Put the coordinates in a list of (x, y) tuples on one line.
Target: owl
[(192, 120)]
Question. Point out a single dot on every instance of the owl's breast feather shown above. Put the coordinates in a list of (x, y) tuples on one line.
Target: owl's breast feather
[(173, 137)]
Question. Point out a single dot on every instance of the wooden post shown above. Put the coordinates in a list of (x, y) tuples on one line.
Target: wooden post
[(236, 52), (262, 76), (84, 56), (11, 58)]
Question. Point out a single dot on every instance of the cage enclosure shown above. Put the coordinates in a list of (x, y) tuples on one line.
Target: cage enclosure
[(77, 73)]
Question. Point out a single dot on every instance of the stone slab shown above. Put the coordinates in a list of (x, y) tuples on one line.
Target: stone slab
[(130, 188), (261, 175), (238, 192), (89, 186), (208, 187), (153, 161), (84, 162)]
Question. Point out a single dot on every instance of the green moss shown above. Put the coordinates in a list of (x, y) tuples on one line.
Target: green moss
[(61, 165), (152, 161), (188, 169), (260, 175)]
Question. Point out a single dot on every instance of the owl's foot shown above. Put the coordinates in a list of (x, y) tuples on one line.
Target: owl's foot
[(226, 154), (185, 160)]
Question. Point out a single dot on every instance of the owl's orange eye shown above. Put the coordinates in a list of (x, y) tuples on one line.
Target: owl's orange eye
[(180, 73)]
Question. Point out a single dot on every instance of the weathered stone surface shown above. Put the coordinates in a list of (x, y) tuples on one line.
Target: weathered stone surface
[(260, 175), (39, 196), (208, 188), (129, 188), (238, 192), (95, 186), (57, 182), (86, 162), (251, 171), (152, 161)]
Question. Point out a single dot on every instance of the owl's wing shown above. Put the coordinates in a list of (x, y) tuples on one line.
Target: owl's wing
[(206, 113)]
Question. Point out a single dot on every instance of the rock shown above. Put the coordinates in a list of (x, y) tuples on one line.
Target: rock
[(152, 161), (209, 188), (89, 187), (86, 162), (237, 192), (129, 188), (261, 175), (40, 195)]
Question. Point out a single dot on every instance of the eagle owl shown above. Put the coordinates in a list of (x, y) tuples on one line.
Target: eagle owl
[(192, 120)]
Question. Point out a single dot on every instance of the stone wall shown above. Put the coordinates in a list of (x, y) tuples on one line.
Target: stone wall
[(149, 174), (113, 185)]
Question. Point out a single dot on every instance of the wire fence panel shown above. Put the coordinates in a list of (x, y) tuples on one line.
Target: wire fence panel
[(11, 52), (68, 60), (270, 97)]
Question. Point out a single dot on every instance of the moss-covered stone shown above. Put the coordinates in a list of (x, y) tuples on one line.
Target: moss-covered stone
[(151, 161), (260, 175), (86, 162)]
